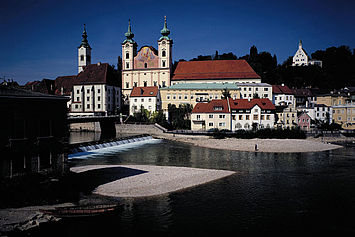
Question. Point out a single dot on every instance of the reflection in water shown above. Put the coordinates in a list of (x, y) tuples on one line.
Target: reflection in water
[(297, 194)]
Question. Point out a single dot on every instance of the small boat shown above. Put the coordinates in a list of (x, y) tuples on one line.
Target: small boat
[(82, 211)]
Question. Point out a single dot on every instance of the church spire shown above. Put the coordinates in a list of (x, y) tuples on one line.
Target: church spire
[(300, 44), (129, 35), (165, 31), (84, 40)]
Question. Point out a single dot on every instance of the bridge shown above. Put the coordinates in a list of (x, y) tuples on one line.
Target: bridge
[(107, 123)]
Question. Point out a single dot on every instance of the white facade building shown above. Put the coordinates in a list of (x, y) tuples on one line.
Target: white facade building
[(250, 90), (282, 95), (144, 98), (98, 99)]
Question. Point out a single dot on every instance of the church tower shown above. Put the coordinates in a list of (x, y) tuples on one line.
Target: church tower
[(129, 49), (165, 44), (84, 52)]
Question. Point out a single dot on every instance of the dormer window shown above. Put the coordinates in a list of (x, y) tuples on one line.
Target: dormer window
[(218, 108)]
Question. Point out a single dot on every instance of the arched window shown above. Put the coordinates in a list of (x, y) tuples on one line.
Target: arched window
[(127, 55), (145, 83), (238, 125), (163, 54), (145, 65), (246, 126), (81, 57)]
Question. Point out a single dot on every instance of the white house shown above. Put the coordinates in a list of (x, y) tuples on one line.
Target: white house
[(250, 90), (282, 95), (233, 114), (144, 97), (247, 113)]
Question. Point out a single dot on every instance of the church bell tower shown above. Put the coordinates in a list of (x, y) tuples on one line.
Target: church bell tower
[(84, 52)]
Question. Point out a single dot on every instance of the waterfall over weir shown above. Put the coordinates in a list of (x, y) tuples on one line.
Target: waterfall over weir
[(76, 150)]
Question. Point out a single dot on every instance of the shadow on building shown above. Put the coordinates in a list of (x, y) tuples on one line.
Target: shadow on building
[(33, 133)]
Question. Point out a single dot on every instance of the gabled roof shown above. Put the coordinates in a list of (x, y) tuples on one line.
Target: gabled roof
[(248, 104), (96, 74), (214, 106), (281, 89), (65, 82), (214, 69), (211, 106), (99, 73), (148, 91)]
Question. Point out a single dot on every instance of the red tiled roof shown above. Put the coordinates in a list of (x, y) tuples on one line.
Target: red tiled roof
[(148, 91), (281, 89), (246, 104), (93, 74), (65, 82), (234, 104), (210, 107), (99, 73), (215, 69)]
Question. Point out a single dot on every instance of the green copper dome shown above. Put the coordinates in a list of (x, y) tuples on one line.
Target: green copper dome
[(84, 41), (129, 35), (165, 31)]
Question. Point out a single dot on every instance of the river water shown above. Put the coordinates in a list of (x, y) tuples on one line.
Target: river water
[(270, 194)]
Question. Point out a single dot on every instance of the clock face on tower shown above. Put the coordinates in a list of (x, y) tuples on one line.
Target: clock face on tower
[(127, 45)]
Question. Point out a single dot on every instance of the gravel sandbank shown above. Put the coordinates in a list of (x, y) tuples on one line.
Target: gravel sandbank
[(263, 145), (156, 180)]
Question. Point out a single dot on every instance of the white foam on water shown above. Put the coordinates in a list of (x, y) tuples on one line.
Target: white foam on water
[(113, 148)]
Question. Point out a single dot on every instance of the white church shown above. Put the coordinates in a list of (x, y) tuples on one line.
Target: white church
[(301, 58)]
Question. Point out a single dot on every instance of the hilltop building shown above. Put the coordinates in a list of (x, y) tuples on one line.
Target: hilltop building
[(301, 58), (148, 66)]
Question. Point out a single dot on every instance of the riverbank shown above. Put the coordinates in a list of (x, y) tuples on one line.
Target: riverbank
[(263, 145)]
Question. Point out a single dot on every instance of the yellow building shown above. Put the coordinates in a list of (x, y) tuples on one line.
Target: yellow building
[(286, 116), (332, 99), (344, 115), (193, 93)]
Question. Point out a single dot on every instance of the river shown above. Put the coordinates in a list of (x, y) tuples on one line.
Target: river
[(288, 194)]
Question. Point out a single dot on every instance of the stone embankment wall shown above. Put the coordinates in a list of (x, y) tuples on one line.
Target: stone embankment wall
[(139, 129), (88, 126)]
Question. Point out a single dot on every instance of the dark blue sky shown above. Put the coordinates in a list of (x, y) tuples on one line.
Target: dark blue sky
[(39, 39)]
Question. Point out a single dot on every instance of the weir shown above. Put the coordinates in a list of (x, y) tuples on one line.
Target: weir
[(89, 146)]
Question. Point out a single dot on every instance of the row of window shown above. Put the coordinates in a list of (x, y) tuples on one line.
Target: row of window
[(142, 100), (98, 98), (163, 54), (145, 84), (256, 89), (146, 64), (88, 106), (98, 91)]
